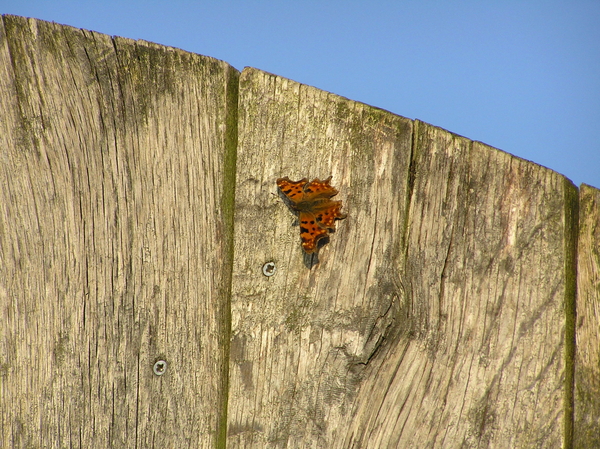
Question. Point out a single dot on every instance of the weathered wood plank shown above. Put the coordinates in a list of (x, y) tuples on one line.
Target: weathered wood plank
[(435, 315), (482, 363), (587, 366), (116, 189), (302, 338)]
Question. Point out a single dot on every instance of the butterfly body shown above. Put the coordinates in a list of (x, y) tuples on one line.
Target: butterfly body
[(315, 209)]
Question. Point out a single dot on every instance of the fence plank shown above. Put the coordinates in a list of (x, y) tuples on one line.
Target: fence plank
[(113, 239), (302, 338), (482, 363), (587, 366)]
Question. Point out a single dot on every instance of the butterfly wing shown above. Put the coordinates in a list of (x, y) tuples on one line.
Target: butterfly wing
[(293, 190), (327, 212), (317, 189), (317, 193), (310, 231)]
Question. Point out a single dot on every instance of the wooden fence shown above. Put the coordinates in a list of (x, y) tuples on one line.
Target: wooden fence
[(139, 215)]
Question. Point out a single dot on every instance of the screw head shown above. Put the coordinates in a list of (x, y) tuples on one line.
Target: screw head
[(269, 269), (160, 367)]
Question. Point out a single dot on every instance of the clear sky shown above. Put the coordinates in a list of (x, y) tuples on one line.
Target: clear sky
[(522, 76)]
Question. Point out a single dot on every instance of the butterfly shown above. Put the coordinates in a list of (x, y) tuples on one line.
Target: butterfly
[(311, 201)]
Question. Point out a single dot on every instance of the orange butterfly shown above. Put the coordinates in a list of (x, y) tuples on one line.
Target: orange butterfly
[(315, 209)]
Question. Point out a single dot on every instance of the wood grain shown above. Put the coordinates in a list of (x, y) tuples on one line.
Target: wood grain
[(441, 313), (435, 316), (116, 212), (587, 366), (303, 337), (483, 363)]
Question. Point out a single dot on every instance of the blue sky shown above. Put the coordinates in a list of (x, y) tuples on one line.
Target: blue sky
[(520, 76)]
